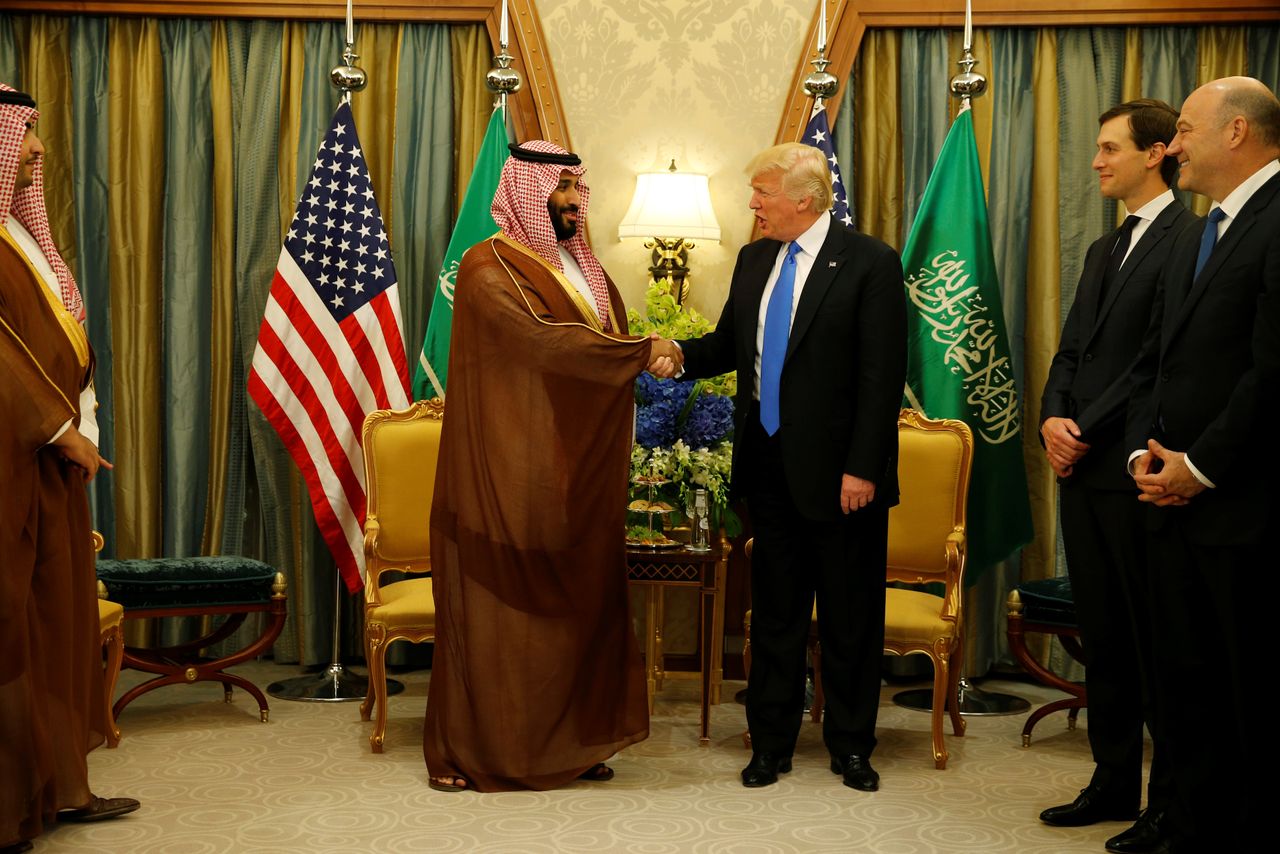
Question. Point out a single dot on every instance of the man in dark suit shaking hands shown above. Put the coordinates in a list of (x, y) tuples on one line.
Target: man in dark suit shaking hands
[(1082, 427), (815, 325), (1200, 423)]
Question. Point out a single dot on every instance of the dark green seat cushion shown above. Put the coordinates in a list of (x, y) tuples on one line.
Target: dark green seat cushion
[(1048, 600), (186, 582)]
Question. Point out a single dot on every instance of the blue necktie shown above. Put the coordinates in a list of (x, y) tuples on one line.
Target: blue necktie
[(1208, 239), (777, 328)]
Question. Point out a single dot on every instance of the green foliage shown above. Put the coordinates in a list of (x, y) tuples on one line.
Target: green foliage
[(663, 315)]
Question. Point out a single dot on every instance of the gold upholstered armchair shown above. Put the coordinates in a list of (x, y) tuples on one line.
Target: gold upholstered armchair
[(111, 632), (927, 546), (400, 451)]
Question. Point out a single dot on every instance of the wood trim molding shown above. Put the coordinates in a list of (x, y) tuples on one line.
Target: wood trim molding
[(535, 112), (850, 19)]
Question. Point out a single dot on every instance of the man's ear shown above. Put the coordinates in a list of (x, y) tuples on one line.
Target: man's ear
[(1155, 155)]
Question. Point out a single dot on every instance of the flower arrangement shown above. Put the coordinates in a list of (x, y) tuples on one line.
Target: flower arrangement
[(684, 429)]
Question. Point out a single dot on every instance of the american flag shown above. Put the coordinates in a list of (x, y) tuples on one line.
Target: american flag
[(818, 134), (330, 349)]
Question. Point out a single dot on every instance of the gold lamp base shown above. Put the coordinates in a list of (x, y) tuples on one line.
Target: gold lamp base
[(671, 261)]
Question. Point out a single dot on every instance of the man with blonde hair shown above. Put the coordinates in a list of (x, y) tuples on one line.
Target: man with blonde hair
[(1201, 418), (815, 326)]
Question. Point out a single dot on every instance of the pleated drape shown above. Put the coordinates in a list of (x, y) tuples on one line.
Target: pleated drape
[(472, 102), (424, 152), (878, 148), (188, 279), (136, 186), (87, 61)]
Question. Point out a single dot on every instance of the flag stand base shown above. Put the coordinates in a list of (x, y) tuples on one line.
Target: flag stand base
[(972, 701), (335, 684)]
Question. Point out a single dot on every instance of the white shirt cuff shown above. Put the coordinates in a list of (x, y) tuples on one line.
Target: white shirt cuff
[(1195, 471), (680, 372), (1129, 465), (56, 436)]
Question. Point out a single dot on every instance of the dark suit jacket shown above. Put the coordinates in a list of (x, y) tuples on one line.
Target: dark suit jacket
[(1089, 378), (1208, 378), (843, 375)]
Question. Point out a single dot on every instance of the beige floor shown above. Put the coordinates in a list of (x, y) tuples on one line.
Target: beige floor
[(214, 780)]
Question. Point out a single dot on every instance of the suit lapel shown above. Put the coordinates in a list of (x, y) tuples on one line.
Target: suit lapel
[(1153, 235), (823, 273), (1091, 280), (755, 277), (1240, 227)]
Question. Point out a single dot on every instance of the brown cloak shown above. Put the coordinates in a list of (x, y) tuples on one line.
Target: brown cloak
[(51, 701), (536, 674)]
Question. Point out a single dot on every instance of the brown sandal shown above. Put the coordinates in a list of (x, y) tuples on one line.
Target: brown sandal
[(449, 783), (598, 773), (99, 809)]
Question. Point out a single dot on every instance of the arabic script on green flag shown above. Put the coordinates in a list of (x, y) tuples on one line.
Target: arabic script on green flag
[(959, 362)]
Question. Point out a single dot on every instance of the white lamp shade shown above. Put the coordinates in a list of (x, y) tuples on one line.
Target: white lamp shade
[(671, 204)]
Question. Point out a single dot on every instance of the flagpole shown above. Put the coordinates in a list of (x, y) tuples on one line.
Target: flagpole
[(502, 79), (970, 699), (336, 684)]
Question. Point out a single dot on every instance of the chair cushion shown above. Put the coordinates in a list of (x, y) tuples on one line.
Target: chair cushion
[(408, 604), (913, 615), (109, 614), (1048, 600), (187, 582)]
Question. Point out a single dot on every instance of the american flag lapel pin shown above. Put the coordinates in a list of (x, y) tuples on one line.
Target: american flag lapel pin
[(832, 263)]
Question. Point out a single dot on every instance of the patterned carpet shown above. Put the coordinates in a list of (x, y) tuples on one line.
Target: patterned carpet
[(213, 780)]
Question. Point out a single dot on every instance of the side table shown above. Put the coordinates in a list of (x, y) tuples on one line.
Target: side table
[(657, 570)]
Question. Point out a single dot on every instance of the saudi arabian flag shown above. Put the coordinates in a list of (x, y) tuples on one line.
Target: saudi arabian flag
[(958, 362), (475, 223)]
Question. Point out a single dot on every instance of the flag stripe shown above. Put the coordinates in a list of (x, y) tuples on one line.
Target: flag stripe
[(292, 363), (284, 308), (333, 529)]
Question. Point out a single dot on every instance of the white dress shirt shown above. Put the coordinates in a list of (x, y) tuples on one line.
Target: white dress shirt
[(1146, 215), (810, 243)]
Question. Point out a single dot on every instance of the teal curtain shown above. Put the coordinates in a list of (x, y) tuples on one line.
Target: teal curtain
[(188, 266), (89, 153), (924, 76), (8, 54), (424, 153)]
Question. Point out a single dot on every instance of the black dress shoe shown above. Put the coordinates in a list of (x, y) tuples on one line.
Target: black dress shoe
[(17, 847), (857, 772), (1090, 807), (1147, 836), (99, 809), (763, 769)]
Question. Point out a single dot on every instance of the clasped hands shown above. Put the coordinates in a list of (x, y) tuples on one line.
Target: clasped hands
[(1164, 477), (665, 358), (1062, 444)]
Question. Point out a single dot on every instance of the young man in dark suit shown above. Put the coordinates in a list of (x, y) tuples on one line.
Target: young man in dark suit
[(815, 325), (1082, 428), (1201, 424)]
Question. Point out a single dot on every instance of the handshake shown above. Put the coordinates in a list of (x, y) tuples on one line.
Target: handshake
[(665, 358)]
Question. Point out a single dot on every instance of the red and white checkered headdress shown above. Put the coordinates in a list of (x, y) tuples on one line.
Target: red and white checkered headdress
[(520, 210), (27, 205)]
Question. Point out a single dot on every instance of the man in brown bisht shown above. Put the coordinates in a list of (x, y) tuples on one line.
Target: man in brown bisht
[(52, 710), (536, 677)]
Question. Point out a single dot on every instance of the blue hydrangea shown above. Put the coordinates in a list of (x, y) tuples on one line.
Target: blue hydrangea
[(709, 421)]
